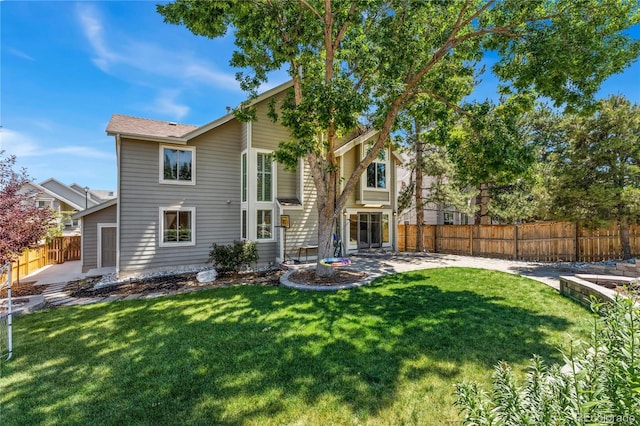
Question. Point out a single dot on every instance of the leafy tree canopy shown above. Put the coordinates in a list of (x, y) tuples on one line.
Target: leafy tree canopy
[(353, 61), (22, 223)]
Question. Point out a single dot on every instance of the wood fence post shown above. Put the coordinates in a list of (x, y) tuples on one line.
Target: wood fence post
[(406, 226), (515, 242), (470, 240), (435, 239), (577, 242)]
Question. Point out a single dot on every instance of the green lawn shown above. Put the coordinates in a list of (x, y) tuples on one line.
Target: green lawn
[(388, 353)]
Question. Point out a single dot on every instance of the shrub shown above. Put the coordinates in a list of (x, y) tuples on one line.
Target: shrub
[(233, 257), (599, 384)]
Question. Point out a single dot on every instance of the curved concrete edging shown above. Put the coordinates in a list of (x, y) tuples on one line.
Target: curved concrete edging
[(286, 282)]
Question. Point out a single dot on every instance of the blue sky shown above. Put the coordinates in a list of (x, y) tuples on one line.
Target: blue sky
[(66, 67)]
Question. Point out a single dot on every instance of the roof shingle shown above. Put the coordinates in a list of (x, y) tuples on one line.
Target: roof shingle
[(145, 127)]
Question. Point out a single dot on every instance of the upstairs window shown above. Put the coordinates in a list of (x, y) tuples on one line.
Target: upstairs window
[(265, 177), (377, 171), (177, 165)]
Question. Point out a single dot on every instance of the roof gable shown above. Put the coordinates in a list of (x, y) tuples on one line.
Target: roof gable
[(67, 194), (230, 116)]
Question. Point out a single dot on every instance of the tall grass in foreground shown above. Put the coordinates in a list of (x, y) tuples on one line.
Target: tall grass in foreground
[(599, 384), (388, 353)]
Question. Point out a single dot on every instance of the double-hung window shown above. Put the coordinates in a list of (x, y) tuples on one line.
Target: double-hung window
[(377, 171), (177, 165), (264, 177), (243, 167), (264, 224), (177, 226)]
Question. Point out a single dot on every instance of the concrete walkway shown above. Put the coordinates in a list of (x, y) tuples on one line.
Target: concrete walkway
[(56, 277), (64, 273), (377, 265)]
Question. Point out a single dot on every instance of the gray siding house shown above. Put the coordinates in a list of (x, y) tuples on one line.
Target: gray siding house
[(182, 188), (66, 201)]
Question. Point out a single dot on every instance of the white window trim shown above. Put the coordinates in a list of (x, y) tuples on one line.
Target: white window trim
[(273, 228), (161, 242), (161, 178), (48, 201), (273, 176), (245, 154), (363, 183), (246, 224), (99, 253), (354, 211), (363, 178)]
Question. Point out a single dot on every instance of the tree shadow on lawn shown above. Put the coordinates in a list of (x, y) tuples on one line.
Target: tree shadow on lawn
[(236, 355)]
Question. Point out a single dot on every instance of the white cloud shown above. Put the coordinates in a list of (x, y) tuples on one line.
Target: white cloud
[(135, 61), (81, 151), (207, 74), (23, 145), (19, 53), (16, 143), (166, 103), (93, 30)]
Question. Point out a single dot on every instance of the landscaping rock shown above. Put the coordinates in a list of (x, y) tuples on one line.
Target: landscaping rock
[(207, 276)]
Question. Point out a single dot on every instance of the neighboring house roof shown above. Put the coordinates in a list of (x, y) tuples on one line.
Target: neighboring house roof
[(73, 194), (104, 194), (94, 209), (98, 195), (67, 194)]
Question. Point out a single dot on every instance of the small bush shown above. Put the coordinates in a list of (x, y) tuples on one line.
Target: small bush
[(599, 384), (231, 258)]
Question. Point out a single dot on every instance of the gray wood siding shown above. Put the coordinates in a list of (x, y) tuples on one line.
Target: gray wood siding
[(141, 195), (304, 222), (90, 235), (377, 196), (267, 252), (265, 133), (350, 162), (245, 135), (287, 183), (303, 230)]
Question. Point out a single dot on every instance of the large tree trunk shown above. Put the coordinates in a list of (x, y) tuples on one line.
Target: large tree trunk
[(326, 226), (624, 238), (482, 201), (328, 212)]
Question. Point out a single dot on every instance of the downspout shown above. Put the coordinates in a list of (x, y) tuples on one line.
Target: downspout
[(118, 204)]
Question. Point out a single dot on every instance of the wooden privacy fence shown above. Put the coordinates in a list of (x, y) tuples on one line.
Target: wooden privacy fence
[(58, 250), (544, 241)]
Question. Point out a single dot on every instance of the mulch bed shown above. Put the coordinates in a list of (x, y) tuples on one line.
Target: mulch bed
[(23, 288), (172, 283), (340, 276)]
